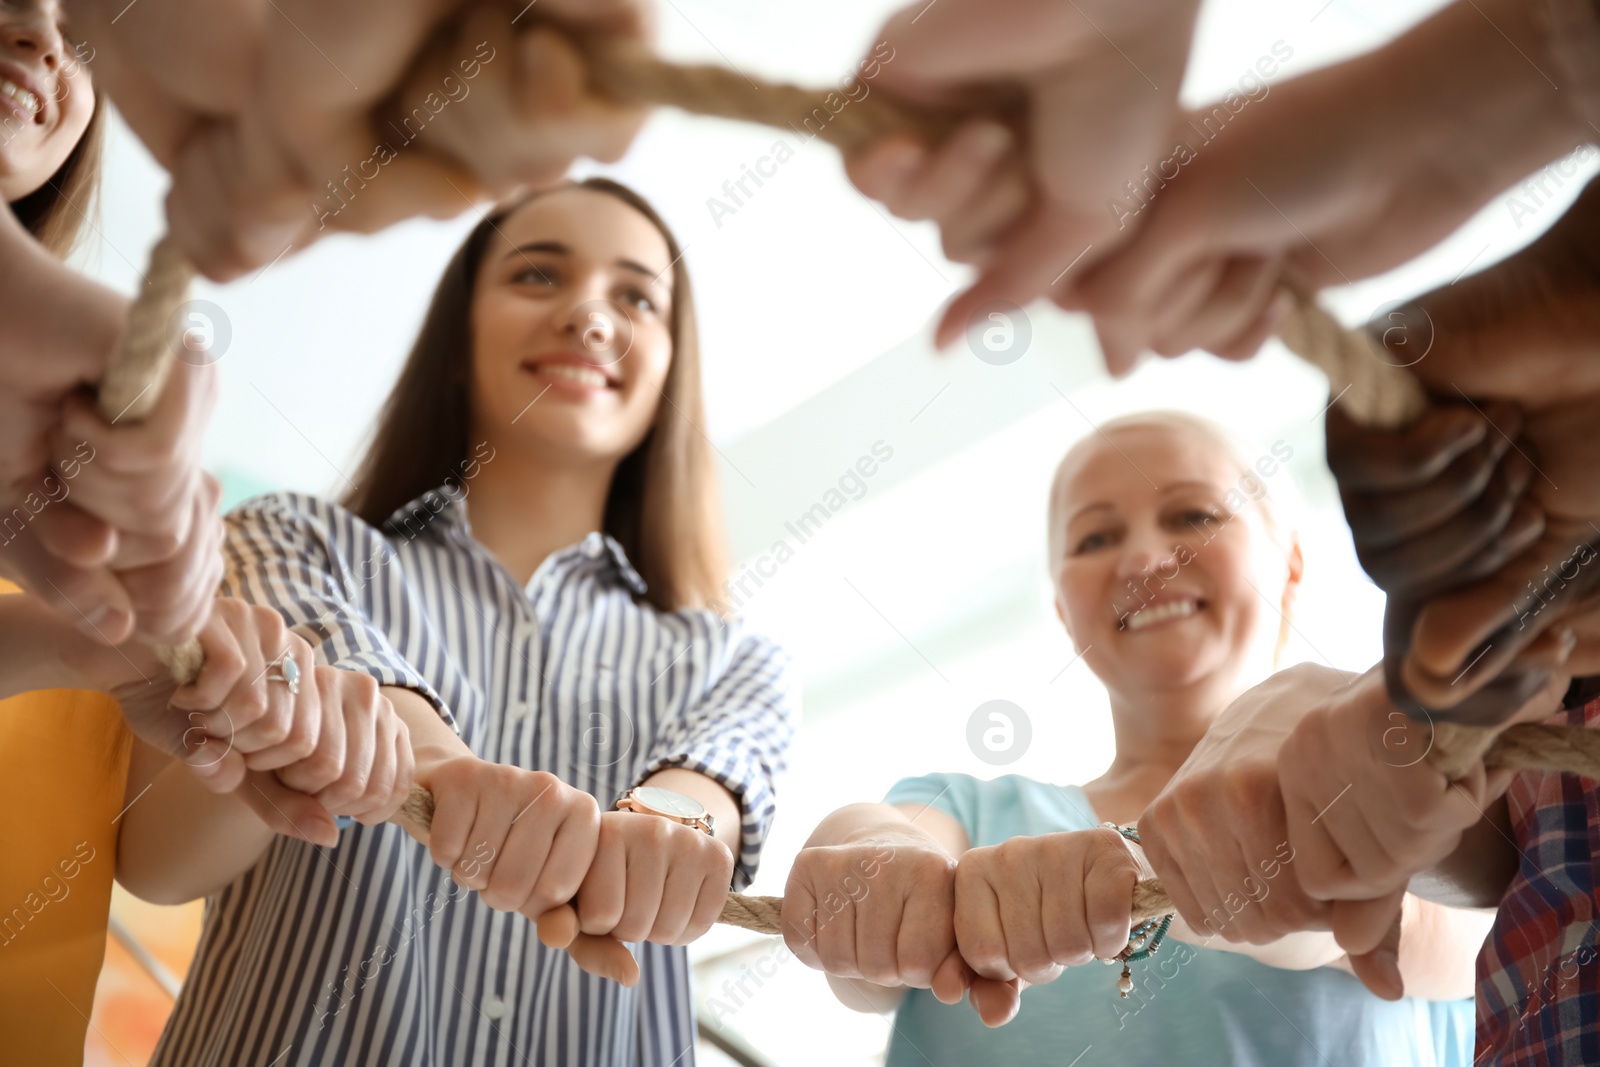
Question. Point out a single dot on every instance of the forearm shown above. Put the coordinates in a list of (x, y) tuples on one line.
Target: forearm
[(29, 653), (856, 824), (41, 650), (1295, 952), (1439, 948), (53, 312), (1478, 872), (431, 739), (1473, 70), (178, 842)]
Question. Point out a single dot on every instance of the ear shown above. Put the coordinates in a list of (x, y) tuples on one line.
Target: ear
[(1297, 570)]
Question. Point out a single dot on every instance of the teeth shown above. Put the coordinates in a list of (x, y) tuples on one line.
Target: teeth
[(20, 95), (572, 373), (1145, 616)]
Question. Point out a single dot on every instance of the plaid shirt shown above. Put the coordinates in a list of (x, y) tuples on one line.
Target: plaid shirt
[(1539, 971)]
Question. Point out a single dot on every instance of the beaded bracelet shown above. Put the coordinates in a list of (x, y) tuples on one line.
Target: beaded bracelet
[(1145, 938)]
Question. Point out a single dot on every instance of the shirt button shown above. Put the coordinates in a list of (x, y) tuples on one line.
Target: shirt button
[(495, 1008), (519, 709), (593, 545)]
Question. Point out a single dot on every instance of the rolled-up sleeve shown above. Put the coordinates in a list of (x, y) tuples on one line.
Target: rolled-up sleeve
[(738, 733), (333, 579)]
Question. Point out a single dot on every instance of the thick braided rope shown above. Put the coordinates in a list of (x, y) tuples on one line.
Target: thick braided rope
[(1372, 390)]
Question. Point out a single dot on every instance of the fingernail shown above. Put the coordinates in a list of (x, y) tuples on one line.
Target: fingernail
[(105, 624)]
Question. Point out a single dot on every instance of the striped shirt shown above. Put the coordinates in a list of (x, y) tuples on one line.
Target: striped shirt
[(370, 954)]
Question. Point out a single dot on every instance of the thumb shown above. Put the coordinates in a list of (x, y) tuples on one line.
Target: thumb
[(1354, 923), (952, 979), (996, 1002), (74, 536), (598, 954), (287, 811), (1024, 268)]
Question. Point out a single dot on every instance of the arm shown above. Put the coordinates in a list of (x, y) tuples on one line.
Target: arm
[(1478, 873), (178, 841), (32, 638), (736, 736), (1352, 153)]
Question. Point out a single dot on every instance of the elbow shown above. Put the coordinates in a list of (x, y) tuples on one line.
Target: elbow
[(152, 887)]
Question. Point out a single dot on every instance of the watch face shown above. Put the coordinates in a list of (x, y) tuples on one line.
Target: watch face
[(667, 802)]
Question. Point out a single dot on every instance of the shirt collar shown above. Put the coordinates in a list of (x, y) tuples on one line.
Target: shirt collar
[(440, 510)]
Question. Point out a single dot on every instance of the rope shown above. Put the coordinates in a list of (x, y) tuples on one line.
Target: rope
[(1372, 390)]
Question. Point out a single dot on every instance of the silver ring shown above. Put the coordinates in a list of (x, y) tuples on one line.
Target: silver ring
[(287, 671)]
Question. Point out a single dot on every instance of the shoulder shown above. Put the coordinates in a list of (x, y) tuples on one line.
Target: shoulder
[(735, 644), (290, 515)]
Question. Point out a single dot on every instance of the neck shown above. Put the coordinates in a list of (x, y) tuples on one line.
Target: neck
[(1157, 730), (523, 507)]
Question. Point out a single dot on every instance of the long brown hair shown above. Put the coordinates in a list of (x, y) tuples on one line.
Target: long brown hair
[(663, 506), (57, 212)]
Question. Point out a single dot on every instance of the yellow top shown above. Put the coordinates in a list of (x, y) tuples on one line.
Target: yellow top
[(63, 770)]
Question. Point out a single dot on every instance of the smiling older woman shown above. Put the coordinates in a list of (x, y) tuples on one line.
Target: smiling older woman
[(1176, 586)]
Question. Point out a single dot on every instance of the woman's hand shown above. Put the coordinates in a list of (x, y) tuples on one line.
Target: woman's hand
[(881, 910), (232, 710), (1025, 217), (653, 879), (362, 765), (524, 840), (330, 746), (130, 504), (1032, 906)]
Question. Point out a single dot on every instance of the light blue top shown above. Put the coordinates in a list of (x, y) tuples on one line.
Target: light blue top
[(1189, 1005)]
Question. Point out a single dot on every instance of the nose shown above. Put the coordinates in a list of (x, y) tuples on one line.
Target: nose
[(33, 30), (1146, 550), (591, 325)]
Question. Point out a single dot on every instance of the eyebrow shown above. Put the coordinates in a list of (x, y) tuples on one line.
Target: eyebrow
[(1103, 505), (559, 249)]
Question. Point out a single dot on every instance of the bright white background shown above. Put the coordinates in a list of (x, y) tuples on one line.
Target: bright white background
[(926, 597)]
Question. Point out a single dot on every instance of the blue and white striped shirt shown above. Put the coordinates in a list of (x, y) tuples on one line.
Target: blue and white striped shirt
[(369, 953)]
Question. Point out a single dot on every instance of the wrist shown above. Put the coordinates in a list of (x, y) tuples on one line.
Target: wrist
[(862, 824), (433, 743)]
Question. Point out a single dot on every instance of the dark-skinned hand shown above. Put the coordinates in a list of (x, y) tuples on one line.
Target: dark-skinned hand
[(1482, 519)]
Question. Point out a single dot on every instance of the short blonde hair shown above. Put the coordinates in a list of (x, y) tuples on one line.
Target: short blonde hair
[(1278, 507)]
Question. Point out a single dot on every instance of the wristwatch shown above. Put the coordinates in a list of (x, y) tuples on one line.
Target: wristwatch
[(653, 800)]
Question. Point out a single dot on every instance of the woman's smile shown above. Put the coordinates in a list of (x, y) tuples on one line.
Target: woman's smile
[(1162, 612), (16, 92), (571, 375)]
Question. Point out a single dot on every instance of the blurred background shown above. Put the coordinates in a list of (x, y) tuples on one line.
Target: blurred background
[(922, 597)]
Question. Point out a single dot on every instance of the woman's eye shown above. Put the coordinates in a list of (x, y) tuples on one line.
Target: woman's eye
[(1092, 542), (1197, 517), (638, 300), (535, 276)]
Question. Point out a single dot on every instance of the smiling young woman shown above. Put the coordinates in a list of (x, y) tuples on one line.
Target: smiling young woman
[(543, 510)]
